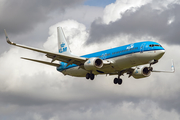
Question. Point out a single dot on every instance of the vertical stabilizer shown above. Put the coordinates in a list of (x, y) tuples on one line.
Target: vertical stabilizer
[(63, 46)]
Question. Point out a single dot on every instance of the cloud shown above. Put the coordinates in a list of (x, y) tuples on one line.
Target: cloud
[(36, 36), (114, 11), (143, 23), (83, 14), (104, 110), (22, 16)]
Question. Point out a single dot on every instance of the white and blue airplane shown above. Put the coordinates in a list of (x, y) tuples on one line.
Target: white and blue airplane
[(116, 61)]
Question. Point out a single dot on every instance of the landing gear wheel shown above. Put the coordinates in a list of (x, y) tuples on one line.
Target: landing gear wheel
[(92, 76), (87, 76), (115, 80), (119, 81)]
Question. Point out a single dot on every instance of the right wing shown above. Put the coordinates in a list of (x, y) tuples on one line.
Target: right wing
[(172, 69), (130, 70), (69, 59)]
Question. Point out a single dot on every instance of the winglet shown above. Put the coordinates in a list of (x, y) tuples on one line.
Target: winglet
[(7, 39), (172, 66)]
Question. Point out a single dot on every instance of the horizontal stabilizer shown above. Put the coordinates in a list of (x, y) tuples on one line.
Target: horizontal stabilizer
[(43, 62)]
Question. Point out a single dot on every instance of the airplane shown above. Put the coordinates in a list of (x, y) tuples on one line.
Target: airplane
[(131, 59)]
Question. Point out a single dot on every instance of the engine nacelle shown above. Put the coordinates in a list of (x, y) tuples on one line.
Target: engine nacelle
[(141, 72), (93, 64)]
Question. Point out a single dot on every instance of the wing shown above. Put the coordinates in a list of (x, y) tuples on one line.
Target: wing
[(170, 71), (142, 70), (70, 59)]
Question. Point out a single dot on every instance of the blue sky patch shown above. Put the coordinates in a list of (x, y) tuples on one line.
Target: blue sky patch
[(101, 3)]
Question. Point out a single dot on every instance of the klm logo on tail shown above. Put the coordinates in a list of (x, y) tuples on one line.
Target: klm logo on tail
[(63, 48)]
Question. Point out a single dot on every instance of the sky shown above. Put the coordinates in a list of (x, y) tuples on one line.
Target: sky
[(32, 91), (99, 3)]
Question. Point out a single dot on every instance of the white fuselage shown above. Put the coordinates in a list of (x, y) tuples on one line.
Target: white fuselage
[(120, 63)]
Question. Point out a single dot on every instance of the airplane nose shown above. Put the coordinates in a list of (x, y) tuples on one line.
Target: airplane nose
[(160, 53), (163, 51)]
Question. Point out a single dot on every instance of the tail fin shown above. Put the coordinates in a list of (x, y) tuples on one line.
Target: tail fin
[(63, 46)]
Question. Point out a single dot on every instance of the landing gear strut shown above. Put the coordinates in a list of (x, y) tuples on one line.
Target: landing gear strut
[(90, 76), (152, 63)]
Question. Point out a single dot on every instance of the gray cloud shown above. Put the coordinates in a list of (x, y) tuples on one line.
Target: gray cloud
[(145, 21), (25, 19), (23, 15)]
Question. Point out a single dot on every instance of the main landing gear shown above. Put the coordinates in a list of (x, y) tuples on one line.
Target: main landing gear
[(118, 80), (90, 76)]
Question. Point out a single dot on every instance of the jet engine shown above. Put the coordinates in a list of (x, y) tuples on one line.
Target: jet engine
[(93, 64), (142, 72)]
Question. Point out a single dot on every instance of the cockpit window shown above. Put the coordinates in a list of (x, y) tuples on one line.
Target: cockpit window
[(152, 45)]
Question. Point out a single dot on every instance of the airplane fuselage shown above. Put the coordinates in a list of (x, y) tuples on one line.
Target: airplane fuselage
[(122, 57)]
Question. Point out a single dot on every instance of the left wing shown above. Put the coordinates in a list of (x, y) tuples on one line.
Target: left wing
[(69, 59)]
